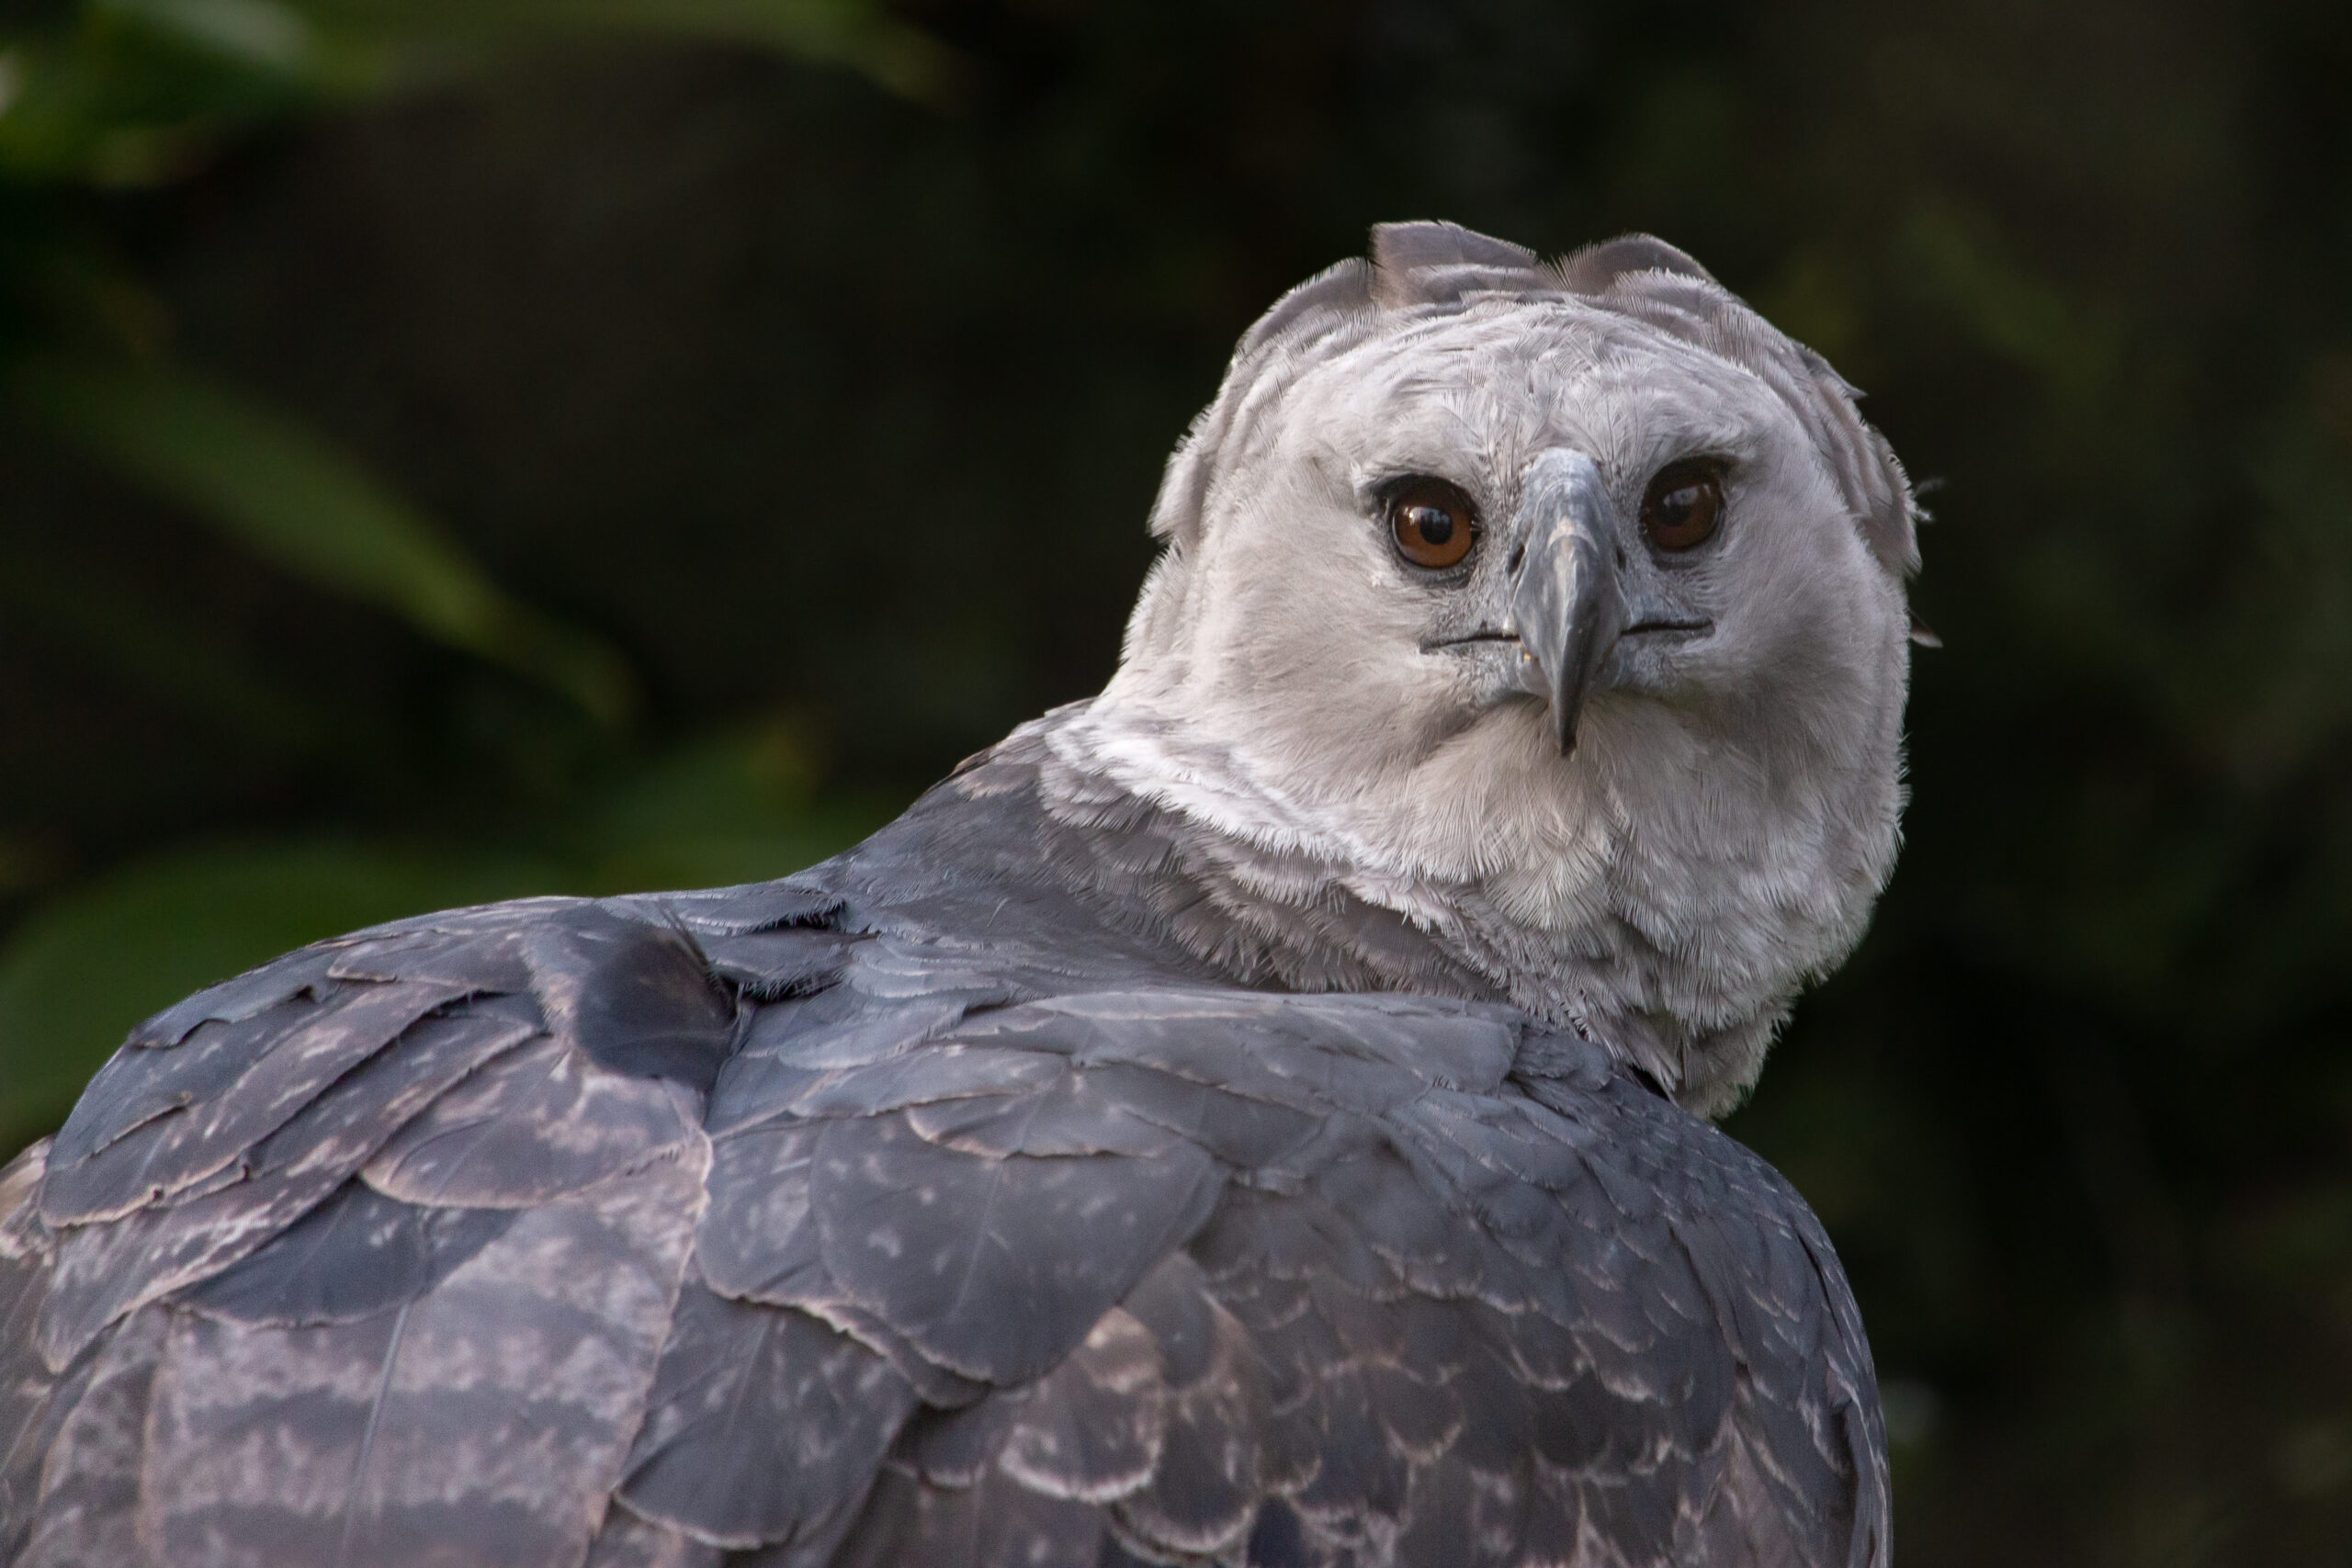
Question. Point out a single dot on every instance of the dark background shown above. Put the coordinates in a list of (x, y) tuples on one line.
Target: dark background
[(793, 378)]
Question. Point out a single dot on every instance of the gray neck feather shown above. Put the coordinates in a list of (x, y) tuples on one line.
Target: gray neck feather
[(1244, 883)]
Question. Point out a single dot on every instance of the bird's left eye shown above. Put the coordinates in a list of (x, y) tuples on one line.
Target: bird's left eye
[(1433, 522), (1684, 504)]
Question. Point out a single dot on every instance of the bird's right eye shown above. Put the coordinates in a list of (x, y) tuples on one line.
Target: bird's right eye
[(1433, 522)]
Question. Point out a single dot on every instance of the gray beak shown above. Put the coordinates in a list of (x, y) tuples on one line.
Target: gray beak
[(1566, 606)]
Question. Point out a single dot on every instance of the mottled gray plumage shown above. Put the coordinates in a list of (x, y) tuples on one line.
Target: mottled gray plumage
[(1181, 1138)]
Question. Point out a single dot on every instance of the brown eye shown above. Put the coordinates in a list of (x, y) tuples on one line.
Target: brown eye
[(1433, 522), (1684, 504)]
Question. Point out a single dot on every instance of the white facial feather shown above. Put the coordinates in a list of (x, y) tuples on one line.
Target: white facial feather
[(1730, 811)]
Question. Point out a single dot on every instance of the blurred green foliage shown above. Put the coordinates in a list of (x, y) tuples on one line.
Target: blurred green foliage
[(297, 502), (146, 94), (451, 455)]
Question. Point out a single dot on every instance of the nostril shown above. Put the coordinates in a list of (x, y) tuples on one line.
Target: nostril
[(1621, 558), (1518, 558)]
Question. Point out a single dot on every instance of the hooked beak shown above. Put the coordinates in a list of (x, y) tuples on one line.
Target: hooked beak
[(1565, 605)]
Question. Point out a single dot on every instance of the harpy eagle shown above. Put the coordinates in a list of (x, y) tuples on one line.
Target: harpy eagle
[(1258, 1115)]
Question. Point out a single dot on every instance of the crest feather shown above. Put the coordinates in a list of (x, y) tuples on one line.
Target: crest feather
[(1431, 264)]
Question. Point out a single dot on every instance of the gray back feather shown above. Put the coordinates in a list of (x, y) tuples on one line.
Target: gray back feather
[(1005, 1231)]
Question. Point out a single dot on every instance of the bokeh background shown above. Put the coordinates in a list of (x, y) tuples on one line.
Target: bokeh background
[(460, 448)]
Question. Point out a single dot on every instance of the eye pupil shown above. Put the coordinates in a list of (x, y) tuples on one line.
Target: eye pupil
[(1431, 523)]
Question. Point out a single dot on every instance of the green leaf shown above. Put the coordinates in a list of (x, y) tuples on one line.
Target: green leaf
[(859, 34), (253, 32), (80, 972), (310, 509)]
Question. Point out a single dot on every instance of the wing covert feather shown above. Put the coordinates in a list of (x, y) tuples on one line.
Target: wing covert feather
[(495, 1411), (765, 1426)]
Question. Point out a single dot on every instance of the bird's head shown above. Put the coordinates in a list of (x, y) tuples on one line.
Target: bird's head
[(1563, 602)]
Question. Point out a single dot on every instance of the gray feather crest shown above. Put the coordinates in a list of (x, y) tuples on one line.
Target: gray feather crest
[(1431, 266)]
